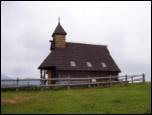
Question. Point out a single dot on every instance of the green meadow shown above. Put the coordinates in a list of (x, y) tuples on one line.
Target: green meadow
[(128, 99)]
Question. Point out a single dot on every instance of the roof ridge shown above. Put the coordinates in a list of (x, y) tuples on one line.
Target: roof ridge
[(86, 44)]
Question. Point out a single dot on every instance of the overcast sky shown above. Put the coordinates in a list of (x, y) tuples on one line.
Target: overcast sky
[(125, 27)]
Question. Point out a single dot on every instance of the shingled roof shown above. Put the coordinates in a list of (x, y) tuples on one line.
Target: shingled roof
[(59, 30), (80, 53)]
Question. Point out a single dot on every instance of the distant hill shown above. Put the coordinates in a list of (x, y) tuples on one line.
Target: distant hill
[(10, 82), (3, 76)]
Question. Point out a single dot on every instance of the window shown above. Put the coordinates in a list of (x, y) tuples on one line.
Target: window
[(89, 64), (93, 80), (72, 63), (103, 64)]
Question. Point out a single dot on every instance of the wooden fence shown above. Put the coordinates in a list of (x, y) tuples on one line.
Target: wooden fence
[(69, 82)]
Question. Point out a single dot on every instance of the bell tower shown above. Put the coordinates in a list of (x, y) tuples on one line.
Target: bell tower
[(59, 37)]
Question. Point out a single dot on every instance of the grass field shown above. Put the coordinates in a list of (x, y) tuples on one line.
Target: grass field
[(133, 98)]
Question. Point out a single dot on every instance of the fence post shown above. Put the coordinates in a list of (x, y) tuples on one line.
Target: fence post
[(28, 82), (89, 82), (68, 82), (131, 79), (126, 79), (17, 84), (143, 75), (110, 81)]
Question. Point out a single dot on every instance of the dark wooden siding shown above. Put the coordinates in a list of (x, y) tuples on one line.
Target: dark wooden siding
[(84, 73)]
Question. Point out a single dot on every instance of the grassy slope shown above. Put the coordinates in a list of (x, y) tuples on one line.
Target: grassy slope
[(117, 99)]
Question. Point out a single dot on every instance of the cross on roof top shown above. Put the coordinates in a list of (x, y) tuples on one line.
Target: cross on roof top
[(59, 19)]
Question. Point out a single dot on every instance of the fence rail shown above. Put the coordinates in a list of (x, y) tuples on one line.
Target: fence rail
[(68, 82)]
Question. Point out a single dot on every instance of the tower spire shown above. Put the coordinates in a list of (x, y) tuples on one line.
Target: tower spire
[(59, 29)]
